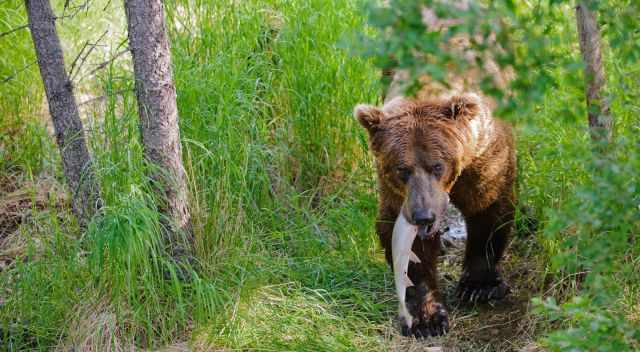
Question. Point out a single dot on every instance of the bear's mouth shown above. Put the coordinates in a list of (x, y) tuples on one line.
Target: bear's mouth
[(427, 231)]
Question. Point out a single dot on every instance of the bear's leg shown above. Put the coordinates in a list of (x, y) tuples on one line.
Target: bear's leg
[(488, 234), (423, 299)]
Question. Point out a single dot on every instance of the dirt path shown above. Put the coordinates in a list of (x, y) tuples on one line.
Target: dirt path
[(498, 326)]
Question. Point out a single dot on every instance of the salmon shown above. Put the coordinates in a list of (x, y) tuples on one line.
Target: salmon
[(403, 235)]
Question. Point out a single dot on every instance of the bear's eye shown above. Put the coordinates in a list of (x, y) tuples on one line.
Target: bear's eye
[(437, 169), (403, 173)]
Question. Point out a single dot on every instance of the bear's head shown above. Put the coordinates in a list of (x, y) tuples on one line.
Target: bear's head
[(420, 149)]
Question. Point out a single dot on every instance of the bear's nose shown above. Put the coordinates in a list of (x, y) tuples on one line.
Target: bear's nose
[(424, 217)]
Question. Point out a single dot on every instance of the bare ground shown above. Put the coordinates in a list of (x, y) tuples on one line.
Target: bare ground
[(505, 325)]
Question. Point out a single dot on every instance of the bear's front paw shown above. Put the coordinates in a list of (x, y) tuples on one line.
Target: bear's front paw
[(435, 324), (482, 292)]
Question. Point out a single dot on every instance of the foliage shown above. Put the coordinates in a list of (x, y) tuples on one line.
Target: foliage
[(21, 99), (532, 39), (528, 39), (599, 245)]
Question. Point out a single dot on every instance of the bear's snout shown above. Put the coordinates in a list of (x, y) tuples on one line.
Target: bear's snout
[(424, 217)]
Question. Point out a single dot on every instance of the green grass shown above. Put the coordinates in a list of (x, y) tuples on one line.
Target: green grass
[(282, 192)]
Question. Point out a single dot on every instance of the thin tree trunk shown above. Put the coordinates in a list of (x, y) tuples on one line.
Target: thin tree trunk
[(600, 120), (76, 161), (158, 112)]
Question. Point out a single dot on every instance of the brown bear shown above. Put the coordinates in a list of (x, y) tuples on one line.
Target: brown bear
[(430, 151)]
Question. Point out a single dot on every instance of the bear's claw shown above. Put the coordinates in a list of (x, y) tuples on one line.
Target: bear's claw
[(482, 292), (436, 324)]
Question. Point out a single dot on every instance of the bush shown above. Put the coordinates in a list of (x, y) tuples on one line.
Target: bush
[(597, 235)]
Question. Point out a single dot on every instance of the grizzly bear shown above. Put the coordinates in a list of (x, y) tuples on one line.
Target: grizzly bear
[(430, 151)]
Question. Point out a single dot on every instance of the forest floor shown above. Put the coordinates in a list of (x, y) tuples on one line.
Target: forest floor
[(504, 325)]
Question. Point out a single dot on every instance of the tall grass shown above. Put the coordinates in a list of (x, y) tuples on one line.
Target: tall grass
[(22, 140), (276, 167)]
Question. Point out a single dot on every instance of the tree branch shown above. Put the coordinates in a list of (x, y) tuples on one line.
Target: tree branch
[(104, 64), (92, 46), (14, 30), (8, 78)]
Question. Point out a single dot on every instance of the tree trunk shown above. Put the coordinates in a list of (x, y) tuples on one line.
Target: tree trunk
[(600, 120), (158, 112), (76, 161)]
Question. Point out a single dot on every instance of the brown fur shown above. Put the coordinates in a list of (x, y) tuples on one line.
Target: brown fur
[(477, 171)]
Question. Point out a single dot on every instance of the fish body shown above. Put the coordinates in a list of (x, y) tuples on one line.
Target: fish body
[(403, 236)]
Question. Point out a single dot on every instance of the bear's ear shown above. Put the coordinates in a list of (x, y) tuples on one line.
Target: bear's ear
[(462, 106), (369, 116)]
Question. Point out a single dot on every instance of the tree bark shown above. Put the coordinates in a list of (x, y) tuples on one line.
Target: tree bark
[(158, 113), (76, 161), (600, 119)]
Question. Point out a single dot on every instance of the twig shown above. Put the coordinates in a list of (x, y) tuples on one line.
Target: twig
[(14, 30), (84, 58), (73, 63), (66, 6), (106, 63), (562, 281), (8, 78), (75, 9)]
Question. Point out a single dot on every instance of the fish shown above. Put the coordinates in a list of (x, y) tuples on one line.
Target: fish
[(403, 236)]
